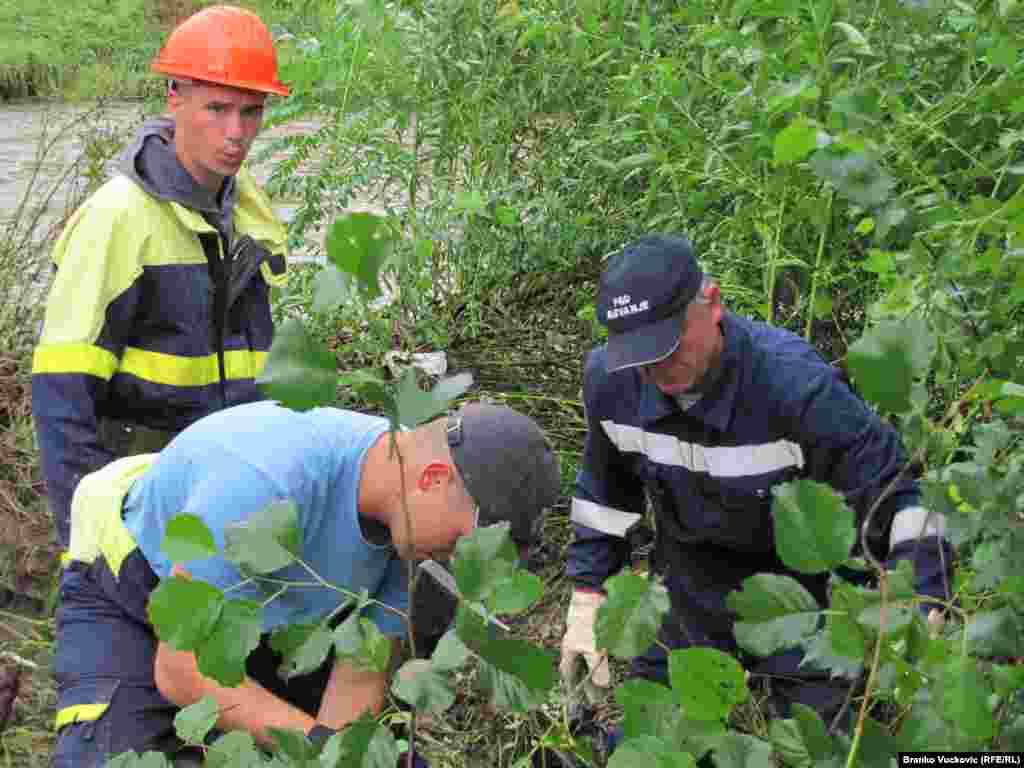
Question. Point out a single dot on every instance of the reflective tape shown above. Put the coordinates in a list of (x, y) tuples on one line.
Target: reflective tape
[(915, 522), (79, 713), (74, 358), (181, 371), (605, 519), (718, 461)]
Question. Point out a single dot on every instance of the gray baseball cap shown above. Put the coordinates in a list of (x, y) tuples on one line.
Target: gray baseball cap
[(507, 466)]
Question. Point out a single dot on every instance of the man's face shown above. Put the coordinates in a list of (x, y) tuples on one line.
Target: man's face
[(214, 129), (439, 517), (700, 345)]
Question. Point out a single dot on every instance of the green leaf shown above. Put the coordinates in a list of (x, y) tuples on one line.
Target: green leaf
[(506, 692), (516, 594), (649, 708), (707, 683), (299, 372), (775, 612), (266, 542), (649, 751), (814, 528), (795, 141), (309, 655), (483, 560), (359, 641), (450, 653), (293, 744), (423, 687), (184, 612), (331, 289), (855, 176), (996, 633), (885, 361), (845, 635), (813, 731), (187, 538), (360, 244), (534, 666), (965, 700), (788, 743), (237, 633), (365, 743), (628, 620), (417, 407), (821, 656), (371, 387), (195, 721), (740, 750), (1004, 54), (235, 749)]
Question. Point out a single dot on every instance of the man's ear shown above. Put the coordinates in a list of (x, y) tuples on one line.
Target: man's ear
[(434, 475)]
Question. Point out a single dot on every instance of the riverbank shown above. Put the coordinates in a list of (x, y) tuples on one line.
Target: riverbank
[(89, 49)]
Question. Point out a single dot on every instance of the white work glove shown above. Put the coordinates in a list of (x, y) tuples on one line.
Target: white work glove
[(580, 656)]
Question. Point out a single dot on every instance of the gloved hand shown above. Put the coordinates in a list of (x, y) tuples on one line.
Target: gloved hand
[(579, 646)]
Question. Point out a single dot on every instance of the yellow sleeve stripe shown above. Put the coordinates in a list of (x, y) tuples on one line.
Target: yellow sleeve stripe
[(79, 713), (178, 371), (270, 278), (74, 358)]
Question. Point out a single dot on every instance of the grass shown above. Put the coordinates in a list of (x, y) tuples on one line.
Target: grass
[(90, 48)]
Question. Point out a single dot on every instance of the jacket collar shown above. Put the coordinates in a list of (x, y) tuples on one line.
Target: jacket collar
[(717, 407)]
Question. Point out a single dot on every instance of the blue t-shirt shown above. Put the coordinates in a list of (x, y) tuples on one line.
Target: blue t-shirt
[(232, 464)]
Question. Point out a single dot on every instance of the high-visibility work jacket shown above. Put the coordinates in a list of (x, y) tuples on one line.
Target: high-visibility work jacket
[(152, 319)]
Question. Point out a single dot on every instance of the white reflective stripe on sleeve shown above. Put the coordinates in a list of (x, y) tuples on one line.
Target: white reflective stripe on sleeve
[(719, 461), (915, 522), (605, 519)]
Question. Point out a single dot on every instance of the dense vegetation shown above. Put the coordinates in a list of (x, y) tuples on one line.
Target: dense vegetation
[(849, 170)]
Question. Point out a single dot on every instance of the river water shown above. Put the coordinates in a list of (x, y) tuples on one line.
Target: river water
[(40, 142)]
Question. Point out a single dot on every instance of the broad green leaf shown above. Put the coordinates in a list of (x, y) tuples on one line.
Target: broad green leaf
[(450, 653), (649, 708), (237, 633), (649, 751), (293, 744), (845, 635), (423, 687), (775, 612), (820, 655), (741, 750), (483, 560), (184, 612), (814, 528), (371, 387), (924, 728), (195, 721), (331, 289), (288, 639), (707, 683), (266, 542), (855, 176), (309, 655), (233, 750), (813, 732), (533, 666), (788, 743), (996, 633), (417, 407), (517, 594), (360, 244), (882, 364), (1008, 679), (965, 695), (236, 749), (359, 641), (187, 538), (878, 747), (299, 372), (795, 141), (628, 620), (506, 692), (365, 743)]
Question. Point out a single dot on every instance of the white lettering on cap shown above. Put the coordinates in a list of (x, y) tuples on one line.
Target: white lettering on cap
[(629, 309)]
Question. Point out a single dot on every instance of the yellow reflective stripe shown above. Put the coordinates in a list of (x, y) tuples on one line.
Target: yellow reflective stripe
[(179, 371), (270, 278), (79, 713), (65, 559), (74, 358)]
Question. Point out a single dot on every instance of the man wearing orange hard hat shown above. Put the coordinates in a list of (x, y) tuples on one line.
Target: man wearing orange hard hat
[(159, 312)]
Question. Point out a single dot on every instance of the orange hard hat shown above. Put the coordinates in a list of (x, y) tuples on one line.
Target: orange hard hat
[(224, 45)]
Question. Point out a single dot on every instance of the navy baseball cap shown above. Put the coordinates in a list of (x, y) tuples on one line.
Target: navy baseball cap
[(642, 297), (507, 466)]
